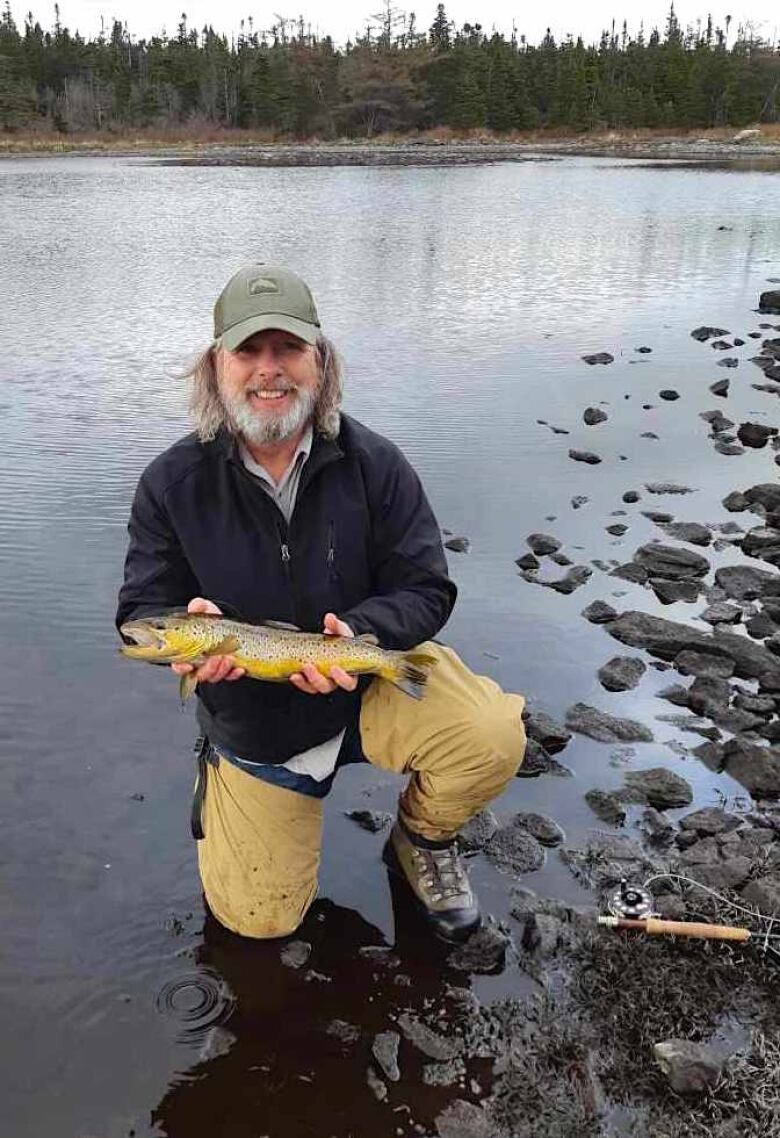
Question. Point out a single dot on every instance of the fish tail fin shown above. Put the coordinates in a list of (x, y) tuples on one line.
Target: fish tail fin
[(409, 672)]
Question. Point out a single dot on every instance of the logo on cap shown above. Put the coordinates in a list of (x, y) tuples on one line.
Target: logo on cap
[(262, 284)]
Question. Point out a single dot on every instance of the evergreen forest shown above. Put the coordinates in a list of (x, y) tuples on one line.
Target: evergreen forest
[(395, 77)]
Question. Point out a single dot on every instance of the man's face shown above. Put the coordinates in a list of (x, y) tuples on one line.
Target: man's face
[(269, 385)]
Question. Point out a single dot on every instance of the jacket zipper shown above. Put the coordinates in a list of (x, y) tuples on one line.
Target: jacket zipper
[(331, 558)]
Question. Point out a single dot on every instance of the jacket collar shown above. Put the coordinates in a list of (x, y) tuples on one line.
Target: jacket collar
[(323, 451)]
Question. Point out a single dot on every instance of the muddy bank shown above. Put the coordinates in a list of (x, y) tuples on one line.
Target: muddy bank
[(762, 149)]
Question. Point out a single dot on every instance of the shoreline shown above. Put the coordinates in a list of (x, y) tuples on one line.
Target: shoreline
[(408, 151)]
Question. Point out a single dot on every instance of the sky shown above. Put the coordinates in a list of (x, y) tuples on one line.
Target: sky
[(343, 18)]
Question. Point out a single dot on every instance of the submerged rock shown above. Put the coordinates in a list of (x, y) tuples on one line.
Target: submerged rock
[(707, 333), (605, 728), (585, 456), (660, 787), (599, 612), (667, 488), (542, 543), (514, 850), (693, 532), (622, 673), (385, 1052), (593, 415), (599, 358), (606, 859), (720, 387), (607, 806), (540, 826)]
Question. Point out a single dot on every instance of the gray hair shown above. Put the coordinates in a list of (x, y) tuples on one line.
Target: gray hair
[(208, 410)]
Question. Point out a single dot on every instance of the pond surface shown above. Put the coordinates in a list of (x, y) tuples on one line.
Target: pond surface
[(463, 300)]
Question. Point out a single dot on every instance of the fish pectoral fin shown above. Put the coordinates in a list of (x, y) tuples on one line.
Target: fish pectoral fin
[(283, 624), (225, 647), (368, 638), (187, 685)]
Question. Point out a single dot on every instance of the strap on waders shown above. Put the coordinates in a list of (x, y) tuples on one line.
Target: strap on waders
[(204, 754)]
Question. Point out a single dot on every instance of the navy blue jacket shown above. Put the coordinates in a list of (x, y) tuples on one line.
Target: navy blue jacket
[(362, 542)]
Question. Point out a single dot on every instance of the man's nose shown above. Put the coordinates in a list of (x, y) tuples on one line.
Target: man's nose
[(266, 361)]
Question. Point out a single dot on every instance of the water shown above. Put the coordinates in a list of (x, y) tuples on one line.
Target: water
[(463, 300)]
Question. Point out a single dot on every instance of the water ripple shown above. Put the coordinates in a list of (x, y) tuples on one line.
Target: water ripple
[(199, 1002)]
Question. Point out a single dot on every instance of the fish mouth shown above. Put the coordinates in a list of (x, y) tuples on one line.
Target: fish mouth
[(147, 642)]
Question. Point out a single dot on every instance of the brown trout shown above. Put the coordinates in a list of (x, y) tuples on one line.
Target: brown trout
[(271, 651)]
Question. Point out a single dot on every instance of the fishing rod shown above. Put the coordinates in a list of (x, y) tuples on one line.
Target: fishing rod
[(632, 907)]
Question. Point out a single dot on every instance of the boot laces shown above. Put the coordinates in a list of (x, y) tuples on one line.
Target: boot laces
[(444, 873)]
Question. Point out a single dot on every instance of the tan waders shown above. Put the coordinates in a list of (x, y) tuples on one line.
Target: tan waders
[(460, 745)]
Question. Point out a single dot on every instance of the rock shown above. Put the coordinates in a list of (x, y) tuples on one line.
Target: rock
[(371, 820), (667, 488), (631, 496), (542, 543), (606, 860), (622, 673), (704, 851), (295, 954), (746, 583), (540, 826), (669, 394), (755, 434), (593, 415), (376, 1085), (708, 694), (754, 767), (484, 952), (477, 832), (706, 333), (579, 500), (693, 532), (463, 1119), (599, 358), (731, 873), (722, 613), (769, 301), (584, 456), (676, 694), (758, 704), (385, 1051), (541, 727), (561, 559), (759, 627), (690, 1068), (443, 1074), (659, 828), (709, 820), (660, 787), (720, 387), (514, 850), (630, 572), (717, 420), (721, 345), (430, 1042), (343, 1031), (670, 561), (599, 612), (728, 361), (607, 806), (764, 895), (723, 447), (749, 134), (657, 516), (605, 728), (670, 591), (735, 502), (617, 529), (458, 544), (527, 562)]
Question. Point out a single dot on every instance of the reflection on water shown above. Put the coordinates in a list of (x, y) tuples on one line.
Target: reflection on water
[(463, 300)]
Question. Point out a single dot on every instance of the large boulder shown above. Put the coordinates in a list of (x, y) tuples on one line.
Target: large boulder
[(670, 561), (745, 582), (754, 767), (769, 301), (660, 788)]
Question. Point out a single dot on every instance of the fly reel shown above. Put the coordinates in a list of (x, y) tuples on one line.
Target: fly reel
[(631, 901)]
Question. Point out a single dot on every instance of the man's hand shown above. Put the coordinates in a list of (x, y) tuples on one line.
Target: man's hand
[(312, 681), (216, 668)]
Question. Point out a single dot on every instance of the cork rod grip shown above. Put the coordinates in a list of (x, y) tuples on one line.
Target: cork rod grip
[(654, 926)]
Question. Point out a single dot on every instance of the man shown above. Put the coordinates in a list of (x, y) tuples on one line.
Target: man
[(281, 508)]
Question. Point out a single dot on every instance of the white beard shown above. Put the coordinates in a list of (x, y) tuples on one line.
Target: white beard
[(262, 427)]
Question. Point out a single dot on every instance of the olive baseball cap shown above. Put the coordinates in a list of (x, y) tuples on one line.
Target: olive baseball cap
[(262, 296)]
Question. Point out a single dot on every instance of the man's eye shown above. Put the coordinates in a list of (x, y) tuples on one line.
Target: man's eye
[(292, 345)]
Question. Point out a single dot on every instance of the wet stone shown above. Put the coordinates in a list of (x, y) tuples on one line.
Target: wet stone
[(540, 826), (295, 954), (676, 694), (343, 1031), (667, 488), (669, 394), (631, 496), (660, 787), (463, 1119), (443, 1074), (720, 387), (708, 333), (586, 456), (693, 532), (617, 529), (484, 952), (527, 562), (744, 582), (669, 592), (543, 728), (542, 543), (643, 350), (579, 500), (478, 831), (735, 502), (759, 627), (723, 447), (755, 434), (722, 613), (709, 820), (657, 516), (599, 358), (371, 820), (593, 415), (764, 895), (605, 728), (599, 612), (637, 574), (670, 561), (607, 806), (385, 1052), (721, 345), (754, 767), (622, 673), (458, 544), (514, 850), (606, 859), (376, 1085), (428, 1041), (657, 826), (728, 361)]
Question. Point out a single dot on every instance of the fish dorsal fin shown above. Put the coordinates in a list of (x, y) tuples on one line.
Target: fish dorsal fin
[(368, 638), (225, 647), (284, 625)]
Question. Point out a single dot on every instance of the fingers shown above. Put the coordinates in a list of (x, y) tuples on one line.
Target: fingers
[(200, 604), (312, 681), (332, 626), (216, 669)]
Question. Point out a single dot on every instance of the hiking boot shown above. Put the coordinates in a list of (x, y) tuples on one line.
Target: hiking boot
[(436, 876)]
